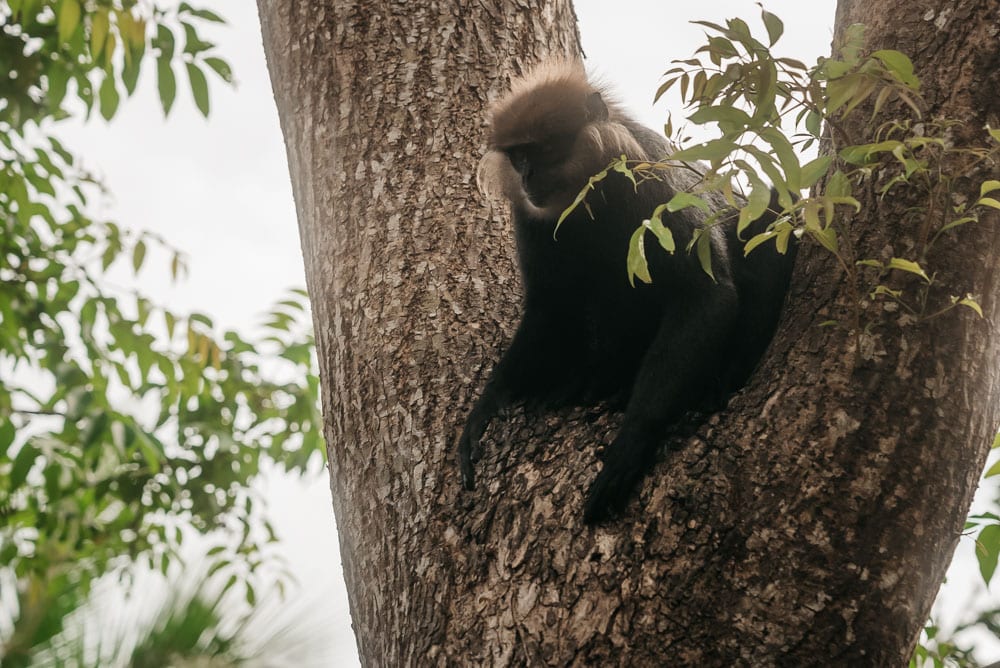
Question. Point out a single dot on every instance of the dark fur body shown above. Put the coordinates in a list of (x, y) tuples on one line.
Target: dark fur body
[(682, 343)]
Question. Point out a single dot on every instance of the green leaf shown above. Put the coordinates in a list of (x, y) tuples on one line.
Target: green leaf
[(166, 83), (98, 32), (23, 463), (164, 41), (7, 433), (885, 290), (108, 97), (765, 82), (171, 322), (908, 266), (581, 196), (110, 254), (703, 248), (199, 88), (757, 240), (68, 19), (969, 302), (774, 26), (138, 255), (621, 166), (177, 266), (94, 430), (637, 266), (57, 146), (133, 33), (988, 186), (900, 66), (767, 163), (661, 91), (202, 13), (151, 452), (987, 551), (838, 185), (711, 151), (130, 75), (958, 221), (659, 230), (787, 156), (720, 47), (683, 200), (193, 44), (814, 170), (813, 124), (220, 67), (880, 101), (201, 318), (58, 78), (993, 470), (840, 91), (988, 201), (827, 238), (723, 114)]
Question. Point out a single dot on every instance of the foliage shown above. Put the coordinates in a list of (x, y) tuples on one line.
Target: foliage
[(120, 421), (985, 527), (937, 651), (196, 621), (738, 85), (65, 51)]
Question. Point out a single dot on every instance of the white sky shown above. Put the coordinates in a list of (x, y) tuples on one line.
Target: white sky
[(219, 190)]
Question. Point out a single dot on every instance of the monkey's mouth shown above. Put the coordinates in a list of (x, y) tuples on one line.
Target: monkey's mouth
[(548, 196), (535, 198), (545, 206)]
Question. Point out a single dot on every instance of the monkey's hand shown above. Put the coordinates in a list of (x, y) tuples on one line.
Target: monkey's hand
[(610, 492), (470, 451), (626, 461)]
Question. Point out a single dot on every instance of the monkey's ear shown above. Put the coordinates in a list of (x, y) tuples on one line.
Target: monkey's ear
[(597, 111)]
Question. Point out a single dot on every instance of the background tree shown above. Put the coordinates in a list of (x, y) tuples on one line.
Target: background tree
[(783, 532), (125, 428)]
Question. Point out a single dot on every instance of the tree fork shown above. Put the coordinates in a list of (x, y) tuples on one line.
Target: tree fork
[(796, 528)]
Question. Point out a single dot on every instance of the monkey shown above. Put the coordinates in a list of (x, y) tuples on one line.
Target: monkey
[(680, 344)]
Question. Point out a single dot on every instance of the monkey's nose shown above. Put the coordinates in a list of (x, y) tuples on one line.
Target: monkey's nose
[(526, 175)]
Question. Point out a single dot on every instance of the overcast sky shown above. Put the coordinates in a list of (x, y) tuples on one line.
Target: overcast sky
[(219, 190)]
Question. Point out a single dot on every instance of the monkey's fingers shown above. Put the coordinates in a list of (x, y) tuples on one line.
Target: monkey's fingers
[(469, 452), (610, 493), (465, 464)]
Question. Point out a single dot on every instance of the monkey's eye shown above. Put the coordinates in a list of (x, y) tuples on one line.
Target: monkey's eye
[(520, 157), (517, 154), (545, 154)]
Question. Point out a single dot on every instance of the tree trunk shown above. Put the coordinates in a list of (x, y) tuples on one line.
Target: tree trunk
[(809, 523)]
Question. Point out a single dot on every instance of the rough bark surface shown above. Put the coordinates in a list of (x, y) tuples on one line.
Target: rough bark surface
[(809, 524)]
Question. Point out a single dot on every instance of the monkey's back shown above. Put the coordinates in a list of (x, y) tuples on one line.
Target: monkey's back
[(579, 279)]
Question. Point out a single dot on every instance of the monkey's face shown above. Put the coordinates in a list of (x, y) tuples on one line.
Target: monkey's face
[(548, 174)]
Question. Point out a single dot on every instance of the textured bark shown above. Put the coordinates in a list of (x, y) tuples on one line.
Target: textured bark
[(810, 523)]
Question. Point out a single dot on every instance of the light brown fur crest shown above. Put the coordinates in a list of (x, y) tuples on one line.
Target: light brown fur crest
[(551, 100)]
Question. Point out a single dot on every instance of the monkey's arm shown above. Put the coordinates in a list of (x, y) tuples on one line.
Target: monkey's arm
[(678, 371), (534, 367)]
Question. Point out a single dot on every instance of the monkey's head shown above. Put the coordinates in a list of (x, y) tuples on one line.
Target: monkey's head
[(551, 133)]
